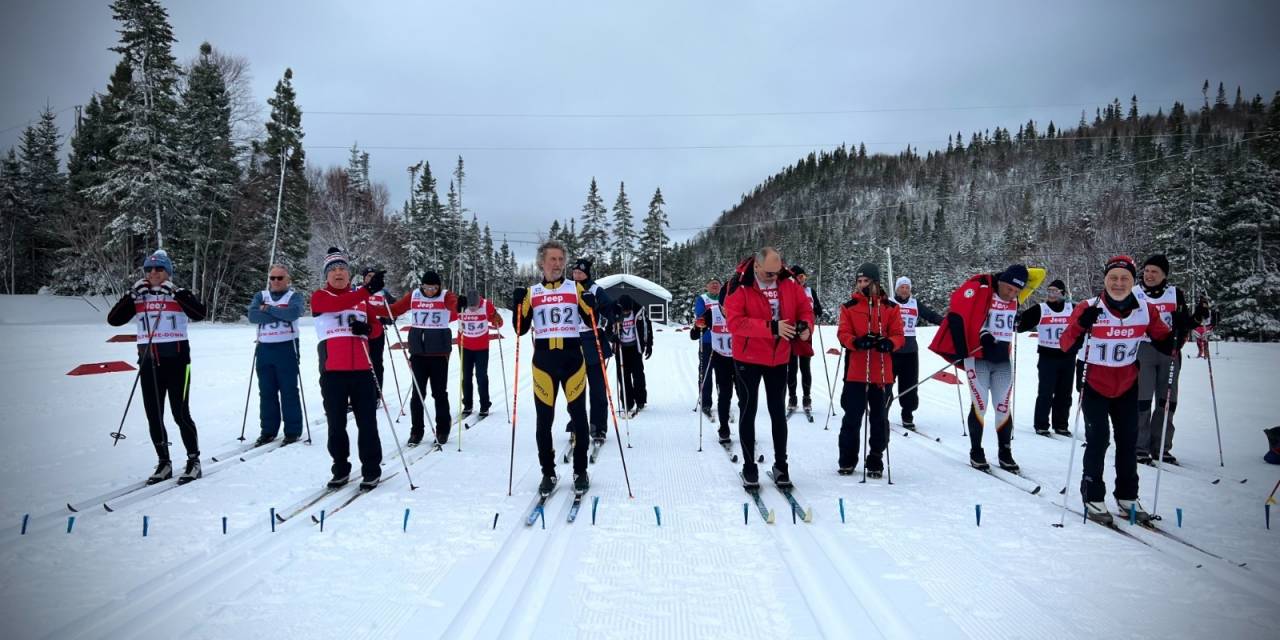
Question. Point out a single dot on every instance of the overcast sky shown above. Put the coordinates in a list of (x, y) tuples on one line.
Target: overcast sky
[(915, 71)]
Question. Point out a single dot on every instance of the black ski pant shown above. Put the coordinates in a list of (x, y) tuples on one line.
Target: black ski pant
[(633, 384), (430, 371), (597, 392), (906, 369), (722, 369), (1053, 398), (170, 377), (749, 377), (705, 353), (1101, 416), (376, 347), (475, 363), (554, 368), (800, 363), (859, 397), (356, 389)]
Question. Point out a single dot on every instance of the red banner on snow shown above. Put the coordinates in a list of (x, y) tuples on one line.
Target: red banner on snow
[(100, 367), (949, 378), (123, 337), (833, 351)]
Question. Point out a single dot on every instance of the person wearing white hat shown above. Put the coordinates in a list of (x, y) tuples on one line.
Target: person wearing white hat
[(906, 361)]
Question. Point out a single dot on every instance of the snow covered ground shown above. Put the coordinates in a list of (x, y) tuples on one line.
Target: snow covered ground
[(906, 561)]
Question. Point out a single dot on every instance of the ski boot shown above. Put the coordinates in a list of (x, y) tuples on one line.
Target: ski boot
[(908, 425), (1005, 458), (263, 439), (978, 459), (781, 477), (1042, 431), (1169, 459), (725, 436), (368, 484), (338, 480), (484, 412), (547, 485), (415, 437), (874, 466), (192, 472), (1144, 457), (750, 477), (288, 440), (164, 471), (1130, 505), (845, 471), (1097, 512), (581, 483), (1062, 431)]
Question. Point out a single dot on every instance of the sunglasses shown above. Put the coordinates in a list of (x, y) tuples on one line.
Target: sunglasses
[(276, 277), (152, 268), (771, 273)]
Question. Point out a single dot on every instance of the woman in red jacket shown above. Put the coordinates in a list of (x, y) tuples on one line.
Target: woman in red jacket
[(1111, 327), (765, 311), (871, 329)]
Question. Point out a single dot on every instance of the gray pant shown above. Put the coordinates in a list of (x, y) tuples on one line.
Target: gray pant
[(991, 381), (1153, 384)]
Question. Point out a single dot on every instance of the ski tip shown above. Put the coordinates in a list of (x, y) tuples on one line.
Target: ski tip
[(72, 509), (808, 514), (315, 520), (770, 519), (108, 508), (1244, 481), (1216, 481), (280, 518), (1036, 491)]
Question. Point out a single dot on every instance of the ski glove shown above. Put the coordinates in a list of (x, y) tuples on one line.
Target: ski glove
[(884, 345), (360, 328), (376, 283), (1088, 317), (801, 327), (988, 341), (518, 296), (168, 288), (864, 343), (462, 303), (648, 351), (589, 299), (140, 288)]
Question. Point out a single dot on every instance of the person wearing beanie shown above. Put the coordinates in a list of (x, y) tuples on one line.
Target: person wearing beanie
[(1055, 368), (635, 345), (871, 330), (702, 305), (712, 324), (276, 311), (342, 320), (766, 312), (431, 308), (978, 331), (1155, 424), (802, 351), (906, 360), (161, 311), (378, 306), (476, 317), (597, 397), (1105, 332), (1203, 320)]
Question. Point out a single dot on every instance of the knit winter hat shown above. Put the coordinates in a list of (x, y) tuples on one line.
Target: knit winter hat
[(1121, 262), (431, 278), (473, 297), (901, 281), (334, 258), (583, 265), (1015, 275), (797, 270), (159, 259), (1159, 260), (1059, 285), (868, 270)]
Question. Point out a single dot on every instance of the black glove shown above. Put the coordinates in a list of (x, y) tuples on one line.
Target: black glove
[(801, 326), (376, 283), (360, 327), (988, 341), (695, 333), (864, 343), (518, 296), (884, 345), (648, 351), (589, 299), (1165, 346), (168, 288), (384, 321), (1088, 317), (140, 288), (462, 303)]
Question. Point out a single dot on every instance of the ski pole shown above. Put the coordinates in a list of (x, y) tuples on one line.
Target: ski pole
[(462, 372), (1013, 385), (1168, 420), (832, 394), (964, 430), (415, 387), (823, 346), (954, 363), (867, 405), (502, 361), (1217, 426), (302, 394), (622, 388), (1071, 451), (515, 401), (253, 367), (394, 436), (701, 387), (118, 434), (888, 463), (608, 393)]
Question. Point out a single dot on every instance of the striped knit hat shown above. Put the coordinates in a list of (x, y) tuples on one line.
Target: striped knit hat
[(334, 257)]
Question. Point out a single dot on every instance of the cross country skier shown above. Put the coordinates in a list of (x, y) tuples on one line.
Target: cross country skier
[(276, 312), (872, 330), (476, 316), (431, 308), (635, 340), (712, 323), (1055, 368), (1203, 320), (378, 303), (766, 311), (162, 310), (551, 309), (1153, 366), (1116, 323), (802, 351), (906, 361), (346, 374), (597, 400), (979, 327), (703, 303)]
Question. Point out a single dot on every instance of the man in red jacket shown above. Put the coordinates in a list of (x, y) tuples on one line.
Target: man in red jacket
[(871, 329), (765, 311), (1109, 330), (979, 328), (475, 317), (343, 325)]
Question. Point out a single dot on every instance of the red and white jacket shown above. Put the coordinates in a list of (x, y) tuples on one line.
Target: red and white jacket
[(341, 351), (474, 322), (1112, 376)]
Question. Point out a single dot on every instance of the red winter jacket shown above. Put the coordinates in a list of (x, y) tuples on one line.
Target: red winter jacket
[(345, 353), (970, 304), (750, 317), (861, 316), (1113, 382)]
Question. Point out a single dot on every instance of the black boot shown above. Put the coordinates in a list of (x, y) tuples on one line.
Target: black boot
[(781, 477), (339, 480), (192, 472), (415, 437), (581, 483), (750, 476), (547, 485), (1006, 460), (263, 439), (875, 465), (164, 471), (978, 459)]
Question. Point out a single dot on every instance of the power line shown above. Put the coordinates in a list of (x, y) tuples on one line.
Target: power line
[(29, 122)]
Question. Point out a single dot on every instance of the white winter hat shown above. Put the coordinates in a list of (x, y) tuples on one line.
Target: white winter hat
[(901, 281)]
